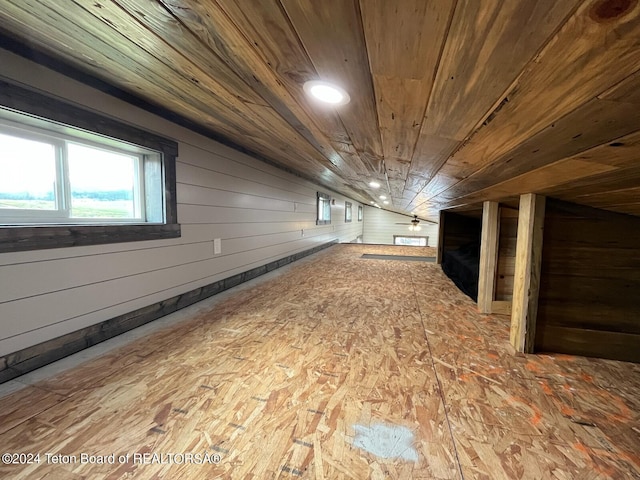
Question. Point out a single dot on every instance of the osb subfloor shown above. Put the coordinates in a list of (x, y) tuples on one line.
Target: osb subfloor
[(318, 373)]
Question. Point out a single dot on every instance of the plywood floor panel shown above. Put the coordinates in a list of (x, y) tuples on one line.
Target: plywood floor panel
[(291, 379)]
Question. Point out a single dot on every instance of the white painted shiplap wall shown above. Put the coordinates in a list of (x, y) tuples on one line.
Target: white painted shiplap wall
[(261, 214), (380, 227)]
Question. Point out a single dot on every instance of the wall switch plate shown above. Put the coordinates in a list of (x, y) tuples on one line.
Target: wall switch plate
[(217, 246)]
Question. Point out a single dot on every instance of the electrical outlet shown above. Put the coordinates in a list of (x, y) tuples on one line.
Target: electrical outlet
[(217, 246)]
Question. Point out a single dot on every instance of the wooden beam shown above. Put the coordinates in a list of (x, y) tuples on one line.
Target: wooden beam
[(488, 255), (527, 275), (440, 238)]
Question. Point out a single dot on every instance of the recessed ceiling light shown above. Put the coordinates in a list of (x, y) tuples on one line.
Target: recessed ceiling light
[(326, 92), (382, 197), (386, 202), (372, 202), (374, 184)]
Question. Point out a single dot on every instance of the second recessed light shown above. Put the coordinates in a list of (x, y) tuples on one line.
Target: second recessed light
[(327, 93)]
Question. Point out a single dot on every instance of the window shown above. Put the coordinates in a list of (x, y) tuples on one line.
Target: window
[(324, 209), (72, 177), (347, 212), (411, 241), (359, 213), (54, 178)]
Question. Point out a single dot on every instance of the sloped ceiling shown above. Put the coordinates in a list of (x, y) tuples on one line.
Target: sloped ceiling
[(452, 102)]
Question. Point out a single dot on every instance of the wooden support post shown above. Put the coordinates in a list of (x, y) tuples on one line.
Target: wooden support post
[(488, 255), (440, 238), (527, 273)]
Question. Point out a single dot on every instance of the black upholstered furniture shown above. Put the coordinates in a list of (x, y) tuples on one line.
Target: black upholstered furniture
[(462, 266)]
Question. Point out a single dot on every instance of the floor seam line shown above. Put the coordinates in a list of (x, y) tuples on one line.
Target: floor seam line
[(440, 389)]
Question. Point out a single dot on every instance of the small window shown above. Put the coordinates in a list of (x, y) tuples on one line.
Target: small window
[(347, 212), (324, 209), (71, 177), (410, 241), (359, 213), (47, 177)]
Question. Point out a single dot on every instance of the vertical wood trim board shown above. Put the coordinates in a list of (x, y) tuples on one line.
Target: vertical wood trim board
[(527, 273), (488, 255), (441, 237)]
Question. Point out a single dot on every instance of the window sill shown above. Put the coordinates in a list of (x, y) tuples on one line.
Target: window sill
[(22, 238)]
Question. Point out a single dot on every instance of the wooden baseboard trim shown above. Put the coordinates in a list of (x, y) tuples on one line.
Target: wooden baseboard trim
[(23, 361)]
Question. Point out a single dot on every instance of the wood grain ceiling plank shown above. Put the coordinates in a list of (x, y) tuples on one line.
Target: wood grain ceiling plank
[(617, 180), (51, 33), (585, 58), (404, 41), (611, 198), (558, 173), (628, 90), (152, 28), (159, 32), (332, 35), (488, 45), (628, 209), (216, 31), (266, 27), (594, 123), (607, 165), (129, 61), (485, 51)]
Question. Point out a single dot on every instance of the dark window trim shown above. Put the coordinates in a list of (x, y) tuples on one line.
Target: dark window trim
[(360, 213), (19, 238)]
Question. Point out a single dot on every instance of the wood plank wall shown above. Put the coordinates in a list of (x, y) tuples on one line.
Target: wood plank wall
[(380, 227), (506, 253), (589, 301), (261, 214)]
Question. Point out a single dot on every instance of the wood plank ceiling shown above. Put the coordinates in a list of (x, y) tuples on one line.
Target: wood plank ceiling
[(453, 102)]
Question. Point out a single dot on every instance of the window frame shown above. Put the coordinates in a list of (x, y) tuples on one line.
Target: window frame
[(360, 213), (22, 237), (426, 240), (347, 212), (325, 200)]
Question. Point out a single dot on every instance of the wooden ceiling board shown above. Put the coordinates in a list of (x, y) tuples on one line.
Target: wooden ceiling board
[(612, 198), (169, 37), (195, 97), (452, 101), (488, 45), (398, 33), (268, 28), (594, 123), (332, 35), (217, 31), (602, 159), (566, 74), (104, 61), (50, 27)]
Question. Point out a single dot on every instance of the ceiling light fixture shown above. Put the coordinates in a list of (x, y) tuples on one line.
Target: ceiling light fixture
[(326, 92), (415, 224), (382, 197), (386, 202), (374, 184)]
